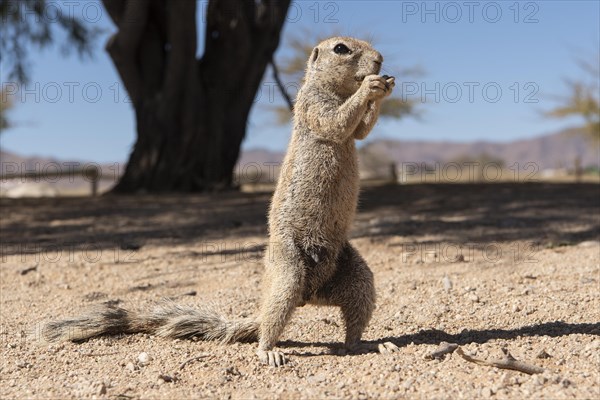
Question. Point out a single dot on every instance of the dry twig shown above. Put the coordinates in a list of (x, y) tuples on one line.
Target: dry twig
[(443, 349), (92, 354), (186, 362), (25, 271), (509, 362)]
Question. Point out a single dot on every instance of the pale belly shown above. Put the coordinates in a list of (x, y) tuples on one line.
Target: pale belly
[(316, 201)]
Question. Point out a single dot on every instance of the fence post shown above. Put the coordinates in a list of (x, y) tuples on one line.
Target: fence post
[(94, 186)]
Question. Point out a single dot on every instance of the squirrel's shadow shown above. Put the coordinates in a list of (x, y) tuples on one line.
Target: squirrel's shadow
[(435, 336)]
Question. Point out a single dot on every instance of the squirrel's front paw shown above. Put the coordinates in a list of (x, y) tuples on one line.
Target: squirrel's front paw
[(378, 87), (272, 358)]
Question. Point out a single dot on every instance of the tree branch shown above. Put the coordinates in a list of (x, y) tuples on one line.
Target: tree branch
[(280, 85)]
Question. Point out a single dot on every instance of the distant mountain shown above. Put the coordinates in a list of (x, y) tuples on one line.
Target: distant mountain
[(553, 151), (11, 163), (7, 157)]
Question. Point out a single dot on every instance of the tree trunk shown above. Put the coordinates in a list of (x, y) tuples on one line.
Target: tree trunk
[(191, 113)]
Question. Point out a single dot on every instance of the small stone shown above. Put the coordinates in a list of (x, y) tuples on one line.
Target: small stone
[(539, 380), (131, 367), (408, 383), (565, 383), (165, 378), (315, 379), (447, 283), (144, 358), (474, 298), (486, 392), (100, 388), (542, 354), (589, 243)]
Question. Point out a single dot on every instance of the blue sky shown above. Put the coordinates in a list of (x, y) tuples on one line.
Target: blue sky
[(491, 69)]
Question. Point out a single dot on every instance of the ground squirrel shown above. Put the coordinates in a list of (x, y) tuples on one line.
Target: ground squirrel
[(309, 259)]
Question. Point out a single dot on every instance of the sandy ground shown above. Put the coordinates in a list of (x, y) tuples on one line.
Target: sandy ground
[(484, 266)]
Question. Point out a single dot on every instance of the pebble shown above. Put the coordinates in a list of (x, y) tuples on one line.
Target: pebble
[(474, 298), (565, 383), (85, 388), (589, 243), (317, 378), (165, 378), (447, 284), (543, 354), (131, 367), (539, 380), (144, 359)]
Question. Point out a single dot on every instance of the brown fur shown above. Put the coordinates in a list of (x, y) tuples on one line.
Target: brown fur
[(309, 258)]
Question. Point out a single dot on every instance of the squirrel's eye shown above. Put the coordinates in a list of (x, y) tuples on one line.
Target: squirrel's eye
[(341, 49)]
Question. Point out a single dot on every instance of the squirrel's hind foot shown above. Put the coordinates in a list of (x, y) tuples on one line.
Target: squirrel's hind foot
[(272, 358)]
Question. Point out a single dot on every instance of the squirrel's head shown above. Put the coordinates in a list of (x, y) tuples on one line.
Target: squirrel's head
[(341, 64)]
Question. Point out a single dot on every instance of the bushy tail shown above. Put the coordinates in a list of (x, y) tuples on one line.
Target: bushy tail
[(166, 320)]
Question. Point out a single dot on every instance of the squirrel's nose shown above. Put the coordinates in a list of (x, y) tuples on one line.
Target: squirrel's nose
[(378, 59)]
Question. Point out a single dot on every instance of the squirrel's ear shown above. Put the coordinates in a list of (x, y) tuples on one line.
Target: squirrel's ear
[(313, 57)]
